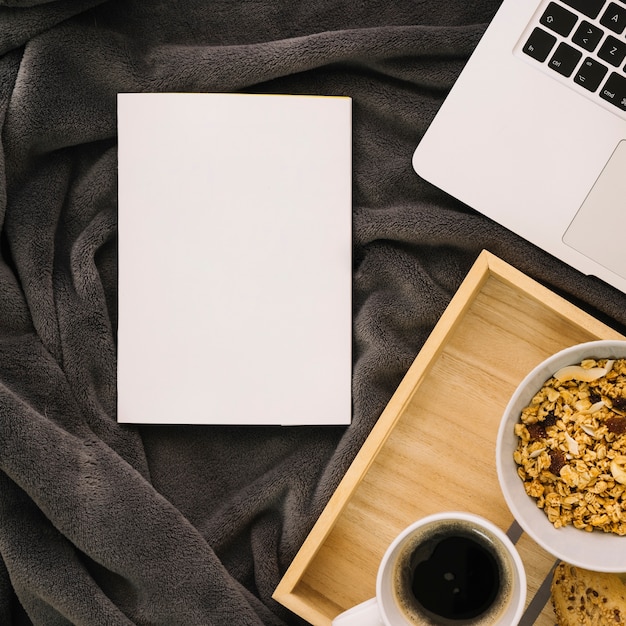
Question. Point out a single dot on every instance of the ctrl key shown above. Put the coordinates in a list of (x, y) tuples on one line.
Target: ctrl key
[(539, 44), (614, 91)]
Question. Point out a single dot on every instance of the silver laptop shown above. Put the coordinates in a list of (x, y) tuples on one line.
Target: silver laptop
[(533, 133)]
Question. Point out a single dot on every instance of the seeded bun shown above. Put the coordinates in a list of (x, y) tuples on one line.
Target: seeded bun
[(584, 598)]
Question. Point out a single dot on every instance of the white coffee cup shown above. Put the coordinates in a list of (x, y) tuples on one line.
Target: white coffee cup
[(442, 582)]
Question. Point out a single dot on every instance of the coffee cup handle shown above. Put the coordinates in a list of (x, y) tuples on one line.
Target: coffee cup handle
[(364, 614)]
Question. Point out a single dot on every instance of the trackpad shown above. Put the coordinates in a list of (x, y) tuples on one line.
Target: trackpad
[(599, 229)]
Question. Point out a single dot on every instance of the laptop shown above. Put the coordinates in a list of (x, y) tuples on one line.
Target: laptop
[(533, 133)]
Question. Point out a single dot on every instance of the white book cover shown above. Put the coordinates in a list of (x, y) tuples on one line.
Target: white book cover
[(235, 259)]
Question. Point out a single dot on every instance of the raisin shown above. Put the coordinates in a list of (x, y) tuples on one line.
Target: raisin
[(536, 431), (619, 403), (550, 419), (594, 397), (557, 461), (616, 425)]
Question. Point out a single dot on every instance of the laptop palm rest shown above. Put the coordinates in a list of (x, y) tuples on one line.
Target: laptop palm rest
[(598, 229)]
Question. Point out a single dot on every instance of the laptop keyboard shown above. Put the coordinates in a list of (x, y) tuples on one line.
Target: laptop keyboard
[(583, 41)]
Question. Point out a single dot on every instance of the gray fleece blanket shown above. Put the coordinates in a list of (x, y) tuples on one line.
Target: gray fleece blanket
[(108, 524)]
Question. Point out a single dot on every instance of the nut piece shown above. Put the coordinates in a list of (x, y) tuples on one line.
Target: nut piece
[(578, 372), (618, 469)]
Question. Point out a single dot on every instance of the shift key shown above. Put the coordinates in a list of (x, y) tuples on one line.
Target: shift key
[(590, 8), (614, 91)]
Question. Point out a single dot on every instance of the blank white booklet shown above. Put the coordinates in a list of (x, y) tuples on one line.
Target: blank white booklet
[(235, 259)]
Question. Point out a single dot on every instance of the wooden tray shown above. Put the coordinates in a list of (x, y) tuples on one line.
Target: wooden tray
[(433, 447)]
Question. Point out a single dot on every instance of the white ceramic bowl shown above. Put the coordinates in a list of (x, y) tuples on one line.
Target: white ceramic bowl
[(597, 551)]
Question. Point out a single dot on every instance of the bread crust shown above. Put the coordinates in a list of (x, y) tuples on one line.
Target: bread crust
[(584, 598)]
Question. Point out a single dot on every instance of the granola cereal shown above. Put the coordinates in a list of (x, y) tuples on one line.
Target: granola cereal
[(571, 452)]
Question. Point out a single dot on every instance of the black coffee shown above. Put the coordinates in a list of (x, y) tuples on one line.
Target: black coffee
[(459, 581), (453, 574)]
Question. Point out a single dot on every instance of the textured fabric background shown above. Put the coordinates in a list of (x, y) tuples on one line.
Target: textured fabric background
[(109, 524)]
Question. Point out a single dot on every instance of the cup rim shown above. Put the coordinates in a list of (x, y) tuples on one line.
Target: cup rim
[(474, 518)]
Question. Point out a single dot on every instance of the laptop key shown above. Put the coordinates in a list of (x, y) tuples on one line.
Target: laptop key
[(565, 59), (558, 19), (539, 44), (590, 74), (614, 90), (612, 51), (590, 8), (587, 36), (614, 18)]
